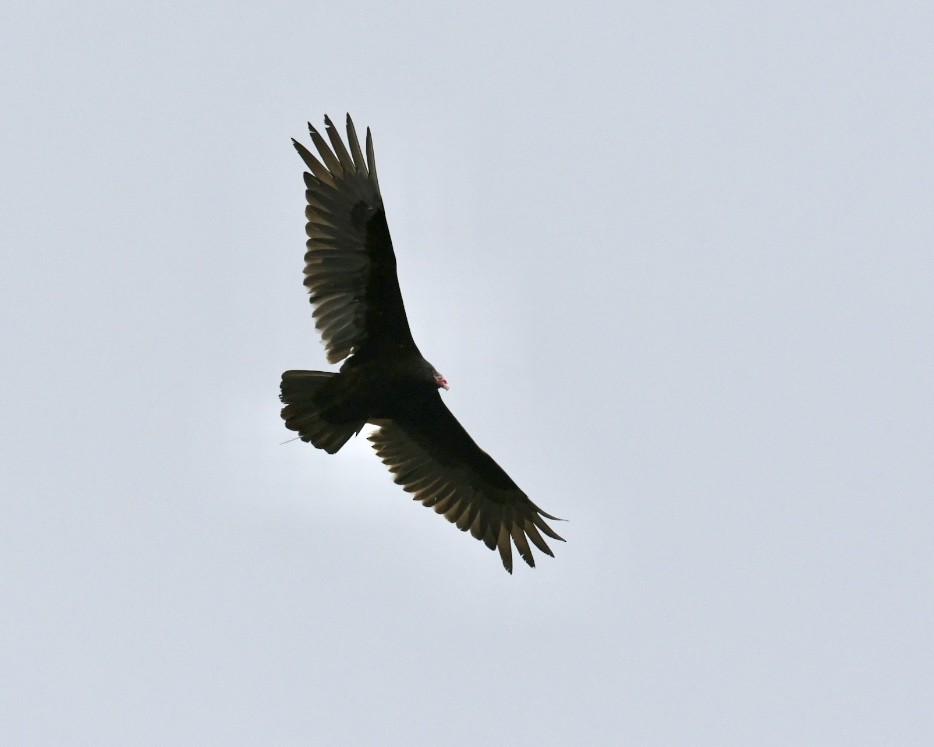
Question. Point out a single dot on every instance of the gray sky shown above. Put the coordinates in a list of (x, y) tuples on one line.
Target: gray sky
[(676, 261)]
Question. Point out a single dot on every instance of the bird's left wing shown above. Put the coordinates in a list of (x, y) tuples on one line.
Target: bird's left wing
[(435, 459)]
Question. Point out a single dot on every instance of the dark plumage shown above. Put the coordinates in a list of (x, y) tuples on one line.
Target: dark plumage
[(350, 272)]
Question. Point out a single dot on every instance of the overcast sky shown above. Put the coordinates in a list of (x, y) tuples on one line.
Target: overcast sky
[(676, 261)]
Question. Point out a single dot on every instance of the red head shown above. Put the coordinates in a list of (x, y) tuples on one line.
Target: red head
[(440, 381)]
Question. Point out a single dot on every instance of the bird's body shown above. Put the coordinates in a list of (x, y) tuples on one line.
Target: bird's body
[(350, 272)]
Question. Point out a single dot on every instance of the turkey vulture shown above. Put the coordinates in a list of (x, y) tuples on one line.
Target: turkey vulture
[(350, 272)]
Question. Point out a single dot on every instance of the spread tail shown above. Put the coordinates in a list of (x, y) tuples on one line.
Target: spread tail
[(306, 397)]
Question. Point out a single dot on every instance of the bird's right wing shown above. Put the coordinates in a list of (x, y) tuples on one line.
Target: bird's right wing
[(350, 267), (434, 458)]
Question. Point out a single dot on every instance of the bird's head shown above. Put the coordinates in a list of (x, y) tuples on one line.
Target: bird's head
[(440, 381)]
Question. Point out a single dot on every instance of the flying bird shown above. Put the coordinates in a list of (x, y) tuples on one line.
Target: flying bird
[(350, 273)]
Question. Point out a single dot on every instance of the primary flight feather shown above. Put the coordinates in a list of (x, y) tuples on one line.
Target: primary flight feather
[(350, 273)]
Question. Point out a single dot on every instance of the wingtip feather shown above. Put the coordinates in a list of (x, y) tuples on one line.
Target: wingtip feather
[(505, 547)]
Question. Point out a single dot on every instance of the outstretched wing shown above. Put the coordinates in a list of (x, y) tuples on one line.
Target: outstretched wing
[(434, 458), (350, 268)]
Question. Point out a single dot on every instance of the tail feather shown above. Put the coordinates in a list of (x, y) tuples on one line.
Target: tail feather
[(305, 398)]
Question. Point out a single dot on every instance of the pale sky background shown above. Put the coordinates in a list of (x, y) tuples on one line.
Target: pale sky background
[(676, 261)]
